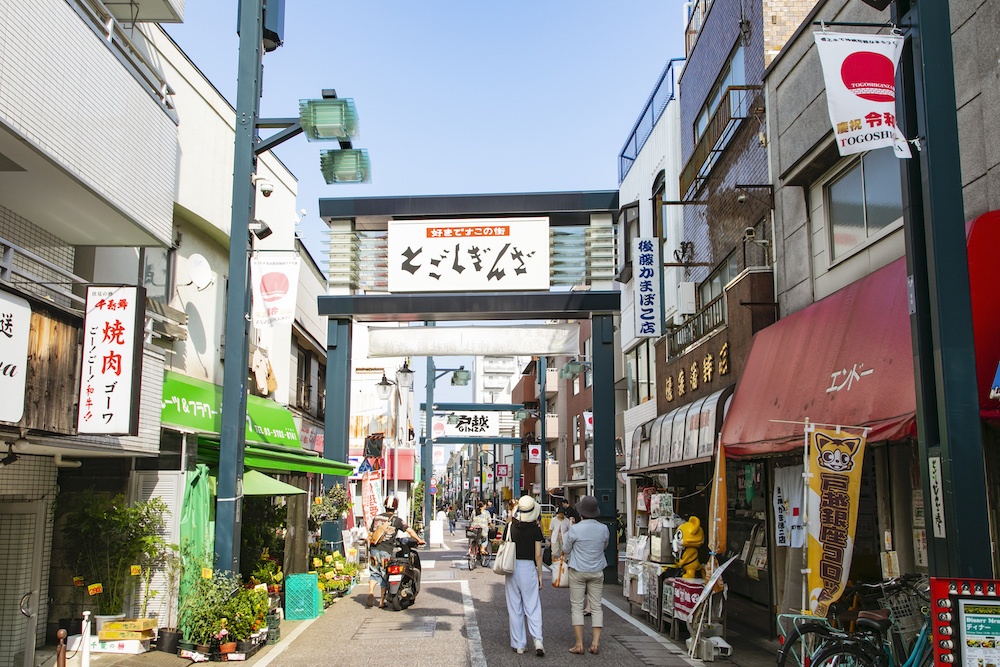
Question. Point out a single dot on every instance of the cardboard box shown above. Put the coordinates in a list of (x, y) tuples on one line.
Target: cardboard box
[(121, 646), (112, 635), (131, 624)]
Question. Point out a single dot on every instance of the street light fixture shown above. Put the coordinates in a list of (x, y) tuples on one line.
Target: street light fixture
[(573, 369)]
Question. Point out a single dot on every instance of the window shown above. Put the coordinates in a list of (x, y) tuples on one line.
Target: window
[(640, 369), (734, 75), (712, 288), (577, 439), (628, 229), (157, 273), (864, 201), (321, 391), (659, 211), (588, 354), (303, 385)]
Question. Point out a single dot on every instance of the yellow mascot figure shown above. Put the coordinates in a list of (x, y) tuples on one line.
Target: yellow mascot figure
[(687, 539)]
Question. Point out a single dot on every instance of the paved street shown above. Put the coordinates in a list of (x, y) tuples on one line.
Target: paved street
[(459, 619)]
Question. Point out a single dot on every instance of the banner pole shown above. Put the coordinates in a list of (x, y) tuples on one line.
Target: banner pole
[(806, 431)]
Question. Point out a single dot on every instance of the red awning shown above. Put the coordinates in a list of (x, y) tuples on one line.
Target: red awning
[(846, 359), (983, 248)]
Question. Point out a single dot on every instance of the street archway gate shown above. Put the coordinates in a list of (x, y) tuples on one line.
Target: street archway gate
[(598, 306)]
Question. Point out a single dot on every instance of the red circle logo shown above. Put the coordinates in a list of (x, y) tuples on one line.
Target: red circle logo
[(870, 76)]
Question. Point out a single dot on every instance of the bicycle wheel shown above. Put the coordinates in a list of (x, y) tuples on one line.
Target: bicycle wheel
[(484, 558), (842, 654), (471, 557), (801, 642)]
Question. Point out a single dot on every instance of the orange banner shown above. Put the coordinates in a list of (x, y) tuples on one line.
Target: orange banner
[(835, 461)]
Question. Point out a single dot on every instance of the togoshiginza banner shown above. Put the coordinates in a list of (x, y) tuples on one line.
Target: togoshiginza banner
[(860, 75), (494, 254), (112, 360), (275, 280)]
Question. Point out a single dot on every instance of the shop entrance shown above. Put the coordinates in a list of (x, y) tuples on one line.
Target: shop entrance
[(21, 524)]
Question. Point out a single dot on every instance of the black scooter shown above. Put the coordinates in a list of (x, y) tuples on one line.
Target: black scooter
[(404, 575)]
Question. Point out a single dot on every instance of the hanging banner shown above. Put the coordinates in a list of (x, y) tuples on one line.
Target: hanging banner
[(787, 499), (371, 495), (860, 75), (275, 279), (534, 452), (647, 286), (834, 489), (112, 360), (15, 324)]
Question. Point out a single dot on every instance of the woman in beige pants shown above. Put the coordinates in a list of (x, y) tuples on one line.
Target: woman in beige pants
[(585, 543)]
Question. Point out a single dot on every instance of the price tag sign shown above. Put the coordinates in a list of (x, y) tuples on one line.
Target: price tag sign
[(135, 570), (95, 589), (78, 582), (206, 573)]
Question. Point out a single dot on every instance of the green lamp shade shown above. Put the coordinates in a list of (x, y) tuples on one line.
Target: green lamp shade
[(328, 119), (347, 165)]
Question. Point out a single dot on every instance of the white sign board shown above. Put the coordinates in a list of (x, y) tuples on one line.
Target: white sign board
[(15, 324), (860, 75), (647, 287), (469, 255), (937, 495), (110, 374), (275, 281), (486, 424)]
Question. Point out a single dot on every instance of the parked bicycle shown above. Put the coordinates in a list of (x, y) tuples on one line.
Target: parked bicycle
[(880, 639)]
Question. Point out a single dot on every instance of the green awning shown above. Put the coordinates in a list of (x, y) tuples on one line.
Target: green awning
[(195, 406), (277, 459), (258, 484)]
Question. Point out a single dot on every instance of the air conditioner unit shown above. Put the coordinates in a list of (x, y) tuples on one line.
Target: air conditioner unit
[(686, 299)]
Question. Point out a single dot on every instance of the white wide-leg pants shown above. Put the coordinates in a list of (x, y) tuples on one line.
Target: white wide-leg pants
[(523, 603)]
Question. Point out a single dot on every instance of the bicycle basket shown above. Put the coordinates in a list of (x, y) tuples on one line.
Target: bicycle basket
[(908, 611), (471, 534)]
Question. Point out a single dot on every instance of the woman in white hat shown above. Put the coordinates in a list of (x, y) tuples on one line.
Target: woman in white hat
[(523, 603)]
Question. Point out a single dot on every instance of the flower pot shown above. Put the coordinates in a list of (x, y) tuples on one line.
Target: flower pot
[(244, 647), (227, 647), (186, 646), (203, 649), (167, 640)]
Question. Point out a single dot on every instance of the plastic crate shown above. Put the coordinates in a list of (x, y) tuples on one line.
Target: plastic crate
[(301, 597)]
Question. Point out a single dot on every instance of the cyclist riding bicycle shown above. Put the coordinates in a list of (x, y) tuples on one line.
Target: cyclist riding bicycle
[(480, 526)]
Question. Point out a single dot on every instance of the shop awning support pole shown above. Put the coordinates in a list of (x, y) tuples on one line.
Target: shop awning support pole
[(948, 421), (605, 470)]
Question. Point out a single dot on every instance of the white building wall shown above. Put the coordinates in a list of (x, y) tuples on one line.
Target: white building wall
[(95, 121)]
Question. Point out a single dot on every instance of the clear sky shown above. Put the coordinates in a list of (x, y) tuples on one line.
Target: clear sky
[(455, 97)]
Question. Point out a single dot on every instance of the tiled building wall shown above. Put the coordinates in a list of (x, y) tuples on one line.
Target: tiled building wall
[(781, 19)]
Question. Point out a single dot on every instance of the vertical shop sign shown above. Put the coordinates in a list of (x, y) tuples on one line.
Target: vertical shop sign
[(860, 75), (647, 288), (112, 360), (835, 462), (15, 324)]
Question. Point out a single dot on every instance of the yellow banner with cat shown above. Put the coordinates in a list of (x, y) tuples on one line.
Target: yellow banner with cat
[(832, 504)]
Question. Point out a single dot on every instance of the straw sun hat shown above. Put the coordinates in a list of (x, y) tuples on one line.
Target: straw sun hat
[(527, 509)]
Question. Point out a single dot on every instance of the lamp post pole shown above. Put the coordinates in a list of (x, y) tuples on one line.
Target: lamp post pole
[(427, 449), (542, 409), (234, 391)]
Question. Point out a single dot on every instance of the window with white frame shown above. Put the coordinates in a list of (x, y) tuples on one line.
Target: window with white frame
[(640, 369), (863, 201), (712, 288), (628, 229)]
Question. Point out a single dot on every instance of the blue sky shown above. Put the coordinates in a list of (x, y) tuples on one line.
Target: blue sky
[(455, 97)]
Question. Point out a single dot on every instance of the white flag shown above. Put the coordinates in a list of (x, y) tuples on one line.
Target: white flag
[(275, 279), (860, 75)]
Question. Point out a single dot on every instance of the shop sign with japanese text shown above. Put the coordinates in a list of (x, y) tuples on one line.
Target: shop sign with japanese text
[(486, 254), (647, 287), (15, 324), (112, 360), (860, 75), (486, 424)]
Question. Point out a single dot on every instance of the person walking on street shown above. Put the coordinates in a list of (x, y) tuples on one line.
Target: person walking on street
[(523, 602), (381, 544), (585, 543), (452, 518), (559, 525), (571, 513)]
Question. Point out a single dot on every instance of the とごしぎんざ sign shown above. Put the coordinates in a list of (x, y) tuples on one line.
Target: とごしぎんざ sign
[(112, 360), (481, 254)]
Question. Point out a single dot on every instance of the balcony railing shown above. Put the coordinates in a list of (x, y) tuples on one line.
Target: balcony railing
[(738, 103), (696, 18), (699, 325), (28, 272), (664, 91)]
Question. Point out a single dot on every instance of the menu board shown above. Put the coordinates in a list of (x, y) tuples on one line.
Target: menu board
[(979, 621)]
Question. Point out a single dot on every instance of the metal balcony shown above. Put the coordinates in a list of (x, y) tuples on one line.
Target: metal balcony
[(698, 326)]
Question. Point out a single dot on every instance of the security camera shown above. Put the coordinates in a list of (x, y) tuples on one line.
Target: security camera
[(749, 234), (265, 186), (742, 198)]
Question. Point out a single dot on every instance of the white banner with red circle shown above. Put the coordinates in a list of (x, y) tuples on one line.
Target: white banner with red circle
[(275, 278), (534, 452), (860, 75)]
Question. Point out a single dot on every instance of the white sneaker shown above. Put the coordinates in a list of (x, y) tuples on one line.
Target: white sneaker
[(519, 651), (539, 649)]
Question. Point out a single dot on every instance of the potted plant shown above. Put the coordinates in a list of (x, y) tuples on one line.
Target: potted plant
[(203, 608), (168, 635), (245, 615), (105, 536)]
